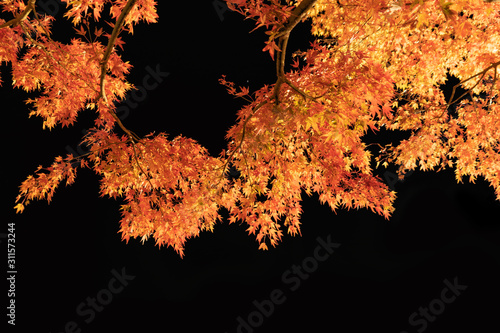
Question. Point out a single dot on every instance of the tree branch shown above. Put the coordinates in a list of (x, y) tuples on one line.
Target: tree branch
[(15, 21), (104, 62), (111, 43), (295, 17)]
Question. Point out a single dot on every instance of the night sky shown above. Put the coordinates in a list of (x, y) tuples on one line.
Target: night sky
[(433, 267)]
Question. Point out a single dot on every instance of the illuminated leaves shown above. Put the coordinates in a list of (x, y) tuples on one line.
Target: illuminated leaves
[(379, 64), (350, 88), (45, 182)]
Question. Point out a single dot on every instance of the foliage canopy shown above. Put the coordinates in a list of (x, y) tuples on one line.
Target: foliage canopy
[(374, 65)]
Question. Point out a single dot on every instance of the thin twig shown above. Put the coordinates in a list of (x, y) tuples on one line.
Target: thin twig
[(452, 99)]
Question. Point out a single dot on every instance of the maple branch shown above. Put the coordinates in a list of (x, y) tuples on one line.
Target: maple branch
[(134, 137), (148, 177), (493, 82), (280, 59), (295, 17), (303, 94), (47, 35), (49, 54), (104, 62), (111, 43), (243, 132), (452, 99), (79, 157), (15, 21)]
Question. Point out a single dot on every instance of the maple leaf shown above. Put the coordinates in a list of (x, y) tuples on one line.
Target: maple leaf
[(271, 46), (81, 31), (19, 208), (98, 33)]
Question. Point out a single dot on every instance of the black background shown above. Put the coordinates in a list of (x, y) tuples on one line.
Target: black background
[(382, 272)]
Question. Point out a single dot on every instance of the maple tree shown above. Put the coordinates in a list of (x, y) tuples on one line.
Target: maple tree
[(375, 65)]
